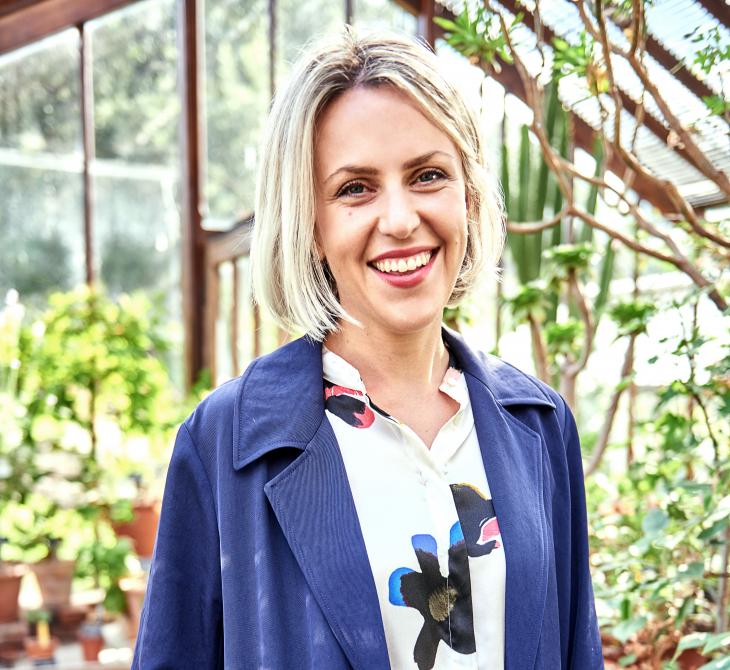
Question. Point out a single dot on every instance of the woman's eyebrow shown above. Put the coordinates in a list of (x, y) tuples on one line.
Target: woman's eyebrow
[(369, 171)]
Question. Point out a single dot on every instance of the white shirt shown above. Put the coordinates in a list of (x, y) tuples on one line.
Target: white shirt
[(428, 523)]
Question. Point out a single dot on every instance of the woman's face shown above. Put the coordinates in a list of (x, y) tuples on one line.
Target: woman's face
[(391, 214)]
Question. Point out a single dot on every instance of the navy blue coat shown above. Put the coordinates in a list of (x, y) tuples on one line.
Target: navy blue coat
[(260, 562)]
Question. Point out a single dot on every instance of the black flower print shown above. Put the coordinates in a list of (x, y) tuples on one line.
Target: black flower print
[(444, 602), (478, 519)]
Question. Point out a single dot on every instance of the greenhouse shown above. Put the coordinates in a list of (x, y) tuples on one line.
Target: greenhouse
[(131, 137)]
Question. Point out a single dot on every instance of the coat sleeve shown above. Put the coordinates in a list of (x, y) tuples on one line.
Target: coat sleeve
[(181, 624), (584, 639)]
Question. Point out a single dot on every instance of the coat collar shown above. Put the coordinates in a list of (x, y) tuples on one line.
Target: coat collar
[(284, 403), (311, 499)]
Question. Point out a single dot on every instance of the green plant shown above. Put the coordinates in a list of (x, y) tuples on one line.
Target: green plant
[(107, 560), (661, 529)]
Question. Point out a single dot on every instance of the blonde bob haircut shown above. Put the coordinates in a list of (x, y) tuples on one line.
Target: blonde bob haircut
[(289, 279)]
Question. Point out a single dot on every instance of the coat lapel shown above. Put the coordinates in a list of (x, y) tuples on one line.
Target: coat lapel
[(311, 498), (512, 455), (316, 511)]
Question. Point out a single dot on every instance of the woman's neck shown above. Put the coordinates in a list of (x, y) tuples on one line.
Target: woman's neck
[(391, 363)]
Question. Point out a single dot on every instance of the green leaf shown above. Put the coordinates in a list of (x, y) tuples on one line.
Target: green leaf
[(626, 629), (446, 24), (715, 529), (692, 571), (716, 641), (718, 664), (655, 521)]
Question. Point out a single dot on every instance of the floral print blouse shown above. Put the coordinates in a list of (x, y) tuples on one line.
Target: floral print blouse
[(428, 523)]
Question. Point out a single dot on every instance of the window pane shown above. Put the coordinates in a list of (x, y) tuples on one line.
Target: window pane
[(299, 21), (136, 106), (41, 216), (136, 179), (236, 102), (39, 97), (383, 14), (41, 229)]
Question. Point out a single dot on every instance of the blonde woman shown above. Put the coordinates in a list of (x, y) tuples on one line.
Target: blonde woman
[(375, 494)]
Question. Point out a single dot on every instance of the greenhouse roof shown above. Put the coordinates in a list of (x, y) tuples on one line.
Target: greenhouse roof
[(672, 46)]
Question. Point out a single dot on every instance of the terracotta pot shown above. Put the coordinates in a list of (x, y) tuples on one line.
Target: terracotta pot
[(54, 580), (142, 529), (91, 645), (10, 577), (691, 659), (37, 652)]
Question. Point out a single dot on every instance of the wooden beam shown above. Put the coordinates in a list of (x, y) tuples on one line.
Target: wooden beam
[(194, 275), (426, 26), (719, 9), (25, 22)]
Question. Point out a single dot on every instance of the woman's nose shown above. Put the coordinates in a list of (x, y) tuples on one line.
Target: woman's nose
[(398, 217)]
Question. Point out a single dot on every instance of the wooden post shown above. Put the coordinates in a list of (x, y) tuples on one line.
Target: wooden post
[(197, 354)]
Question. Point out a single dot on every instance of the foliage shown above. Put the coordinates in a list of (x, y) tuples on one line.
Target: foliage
[(712, 54), (92, 403), (108, 559), (659, 528), (478, 37)]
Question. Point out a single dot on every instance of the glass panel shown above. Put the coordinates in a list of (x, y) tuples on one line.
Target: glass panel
[(137, 106), (41, 205), (41, 230), (236, 102), (383, 14), (39, 97), (136, 177), (298, 22)]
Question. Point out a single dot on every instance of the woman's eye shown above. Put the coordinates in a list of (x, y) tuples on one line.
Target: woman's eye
[(429, 176), (353, 188)]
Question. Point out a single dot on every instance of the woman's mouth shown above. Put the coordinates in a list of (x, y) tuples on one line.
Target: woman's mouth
[(403, 265), (405, 271)]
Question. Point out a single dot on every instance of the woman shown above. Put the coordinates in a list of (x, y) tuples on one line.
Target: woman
[(376, 494)]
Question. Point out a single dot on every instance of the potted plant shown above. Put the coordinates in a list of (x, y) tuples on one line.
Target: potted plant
[(90, 636), (40, 646)]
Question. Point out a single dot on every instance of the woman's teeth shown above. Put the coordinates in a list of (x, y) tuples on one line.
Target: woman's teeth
[(403, 264)]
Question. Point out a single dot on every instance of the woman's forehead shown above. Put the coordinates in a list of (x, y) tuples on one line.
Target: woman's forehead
[(369, 126)]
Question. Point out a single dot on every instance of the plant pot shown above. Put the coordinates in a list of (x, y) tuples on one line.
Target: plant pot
[(10, 578), (691, 659), (142, 529), (38, 652), (91, 645), (54, 580)]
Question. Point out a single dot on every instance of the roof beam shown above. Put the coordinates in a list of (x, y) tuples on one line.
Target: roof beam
[(24, 21), (719, 9)]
